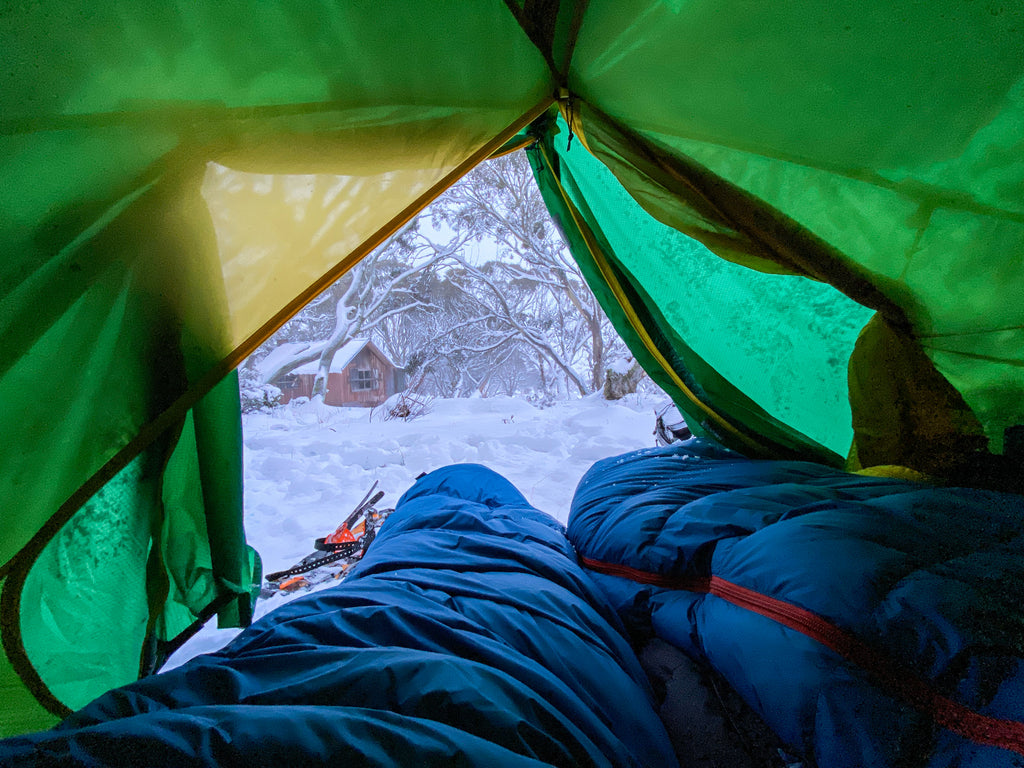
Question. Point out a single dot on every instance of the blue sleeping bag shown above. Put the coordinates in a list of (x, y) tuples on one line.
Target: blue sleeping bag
[(868, 621), (468, 635)]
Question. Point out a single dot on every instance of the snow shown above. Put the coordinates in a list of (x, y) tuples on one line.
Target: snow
[(306, 466), (620, 365), (280, 354), (292, 349)]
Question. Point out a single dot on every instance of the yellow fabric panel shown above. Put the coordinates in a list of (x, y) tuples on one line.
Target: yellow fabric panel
[(278, 233), (904, 412), (897, 472)]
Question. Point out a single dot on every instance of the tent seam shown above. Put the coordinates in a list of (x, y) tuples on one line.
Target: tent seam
[(634, 321)]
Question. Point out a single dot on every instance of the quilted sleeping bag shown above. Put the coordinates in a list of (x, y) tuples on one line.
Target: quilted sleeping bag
[(868, 621), (468, 635)]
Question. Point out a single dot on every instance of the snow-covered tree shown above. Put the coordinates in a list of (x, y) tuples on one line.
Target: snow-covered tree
[(374, 293), (499, 202), (511, 312), (519, 318)]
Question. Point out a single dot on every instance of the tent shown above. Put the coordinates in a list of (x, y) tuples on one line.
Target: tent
[(806, 220)]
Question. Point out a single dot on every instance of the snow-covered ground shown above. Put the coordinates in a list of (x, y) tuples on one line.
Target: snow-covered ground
[(307, 466)]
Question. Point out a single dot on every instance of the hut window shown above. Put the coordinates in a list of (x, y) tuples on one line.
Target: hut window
[(363, 379)]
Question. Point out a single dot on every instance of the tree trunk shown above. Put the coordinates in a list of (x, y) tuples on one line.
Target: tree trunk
[(618, 384), (597, 342)]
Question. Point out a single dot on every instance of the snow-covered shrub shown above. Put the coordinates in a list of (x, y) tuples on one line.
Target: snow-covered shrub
[(406, 406), (256, 396), (540, 398), (263, 399)]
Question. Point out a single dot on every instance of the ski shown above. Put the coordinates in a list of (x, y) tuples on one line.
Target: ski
[(334, 554)]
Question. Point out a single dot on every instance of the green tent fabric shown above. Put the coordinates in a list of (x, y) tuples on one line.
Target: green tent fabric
[(731, 330), (851, 163), (876, 148)]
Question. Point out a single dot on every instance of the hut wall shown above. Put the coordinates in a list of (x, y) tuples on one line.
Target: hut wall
[(363, 381), (368, 380)]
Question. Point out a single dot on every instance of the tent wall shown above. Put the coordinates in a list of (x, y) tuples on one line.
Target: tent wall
[(130, 133), (177, 180), (875, 147), (722, 338)]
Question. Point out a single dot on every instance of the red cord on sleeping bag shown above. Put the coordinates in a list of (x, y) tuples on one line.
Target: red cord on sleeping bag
[(895, 680)]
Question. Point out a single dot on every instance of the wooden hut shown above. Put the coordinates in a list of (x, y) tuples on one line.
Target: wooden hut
[(360, 375)]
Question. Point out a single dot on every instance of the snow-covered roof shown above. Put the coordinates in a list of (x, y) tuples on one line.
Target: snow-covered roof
[(292, 349)]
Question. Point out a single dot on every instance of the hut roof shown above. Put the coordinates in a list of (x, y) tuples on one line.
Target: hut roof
[(342, 357)]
